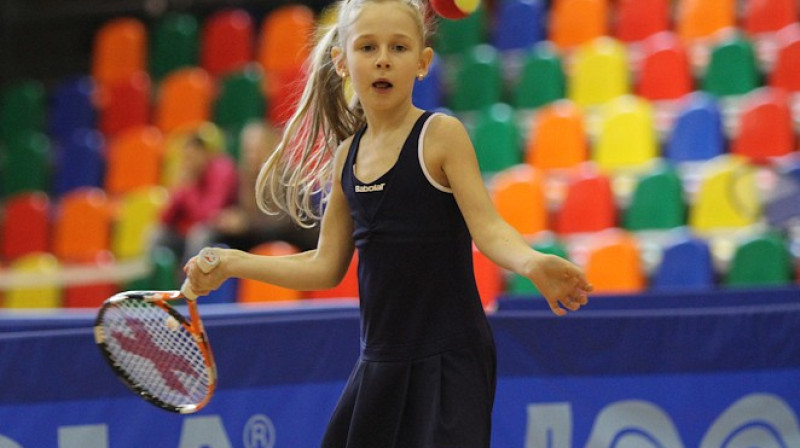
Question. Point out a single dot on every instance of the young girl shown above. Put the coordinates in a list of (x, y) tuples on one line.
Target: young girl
[(403, 187)]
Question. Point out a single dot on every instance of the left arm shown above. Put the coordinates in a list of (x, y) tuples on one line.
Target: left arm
[(450, 158)]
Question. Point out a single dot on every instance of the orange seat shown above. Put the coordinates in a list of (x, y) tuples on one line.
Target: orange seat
[(613, 264), (82, 226), (765, 126), (557, 138), (588, 207), (637, 20), (765, 16), (125, 104), (120, 50), (787, 60), (347, 288), (25, 226), (665, 72), (227, 41), (488, 277), (134, 160), (701, 19), (574, 22), (286, 38), (184, 99), (251, 291), (519, 197)]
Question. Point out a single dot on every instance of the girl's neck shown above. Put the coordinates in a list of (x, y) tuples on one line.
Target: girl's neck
[(384, 122)]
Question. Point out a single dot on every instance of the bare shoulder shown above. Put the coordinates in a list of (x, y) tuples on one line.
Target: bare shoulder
[(444, 127)]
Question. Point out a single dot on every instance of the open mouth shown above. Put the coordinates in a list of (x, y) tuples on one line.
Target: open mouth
[(382, 85)]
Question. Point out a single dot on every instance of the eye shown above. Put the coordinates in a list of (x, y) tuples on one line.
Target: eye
[(400, 48), (367, 47)]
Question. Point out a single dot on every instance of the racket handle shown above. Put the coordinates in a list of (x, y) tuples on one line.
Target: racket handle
[(206, 260)]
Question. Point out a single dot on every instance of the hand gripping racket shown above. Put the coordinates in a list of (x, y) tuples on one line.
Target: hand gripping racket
[(154, 350)]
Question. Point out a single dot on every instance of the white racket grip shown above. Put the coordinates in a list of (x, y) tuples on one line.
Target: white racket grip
[(206, 260)]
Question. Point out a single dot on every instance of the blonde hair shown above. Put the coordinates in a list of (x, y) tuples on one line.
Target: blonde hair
[(295, 179)]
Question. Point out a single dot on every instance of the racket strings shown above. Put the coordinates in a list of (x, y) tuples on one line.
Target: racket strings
[(159, 357)]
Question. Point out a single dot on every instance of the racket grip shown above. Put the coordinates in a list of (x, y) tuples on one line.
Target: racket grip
[(206, 260)]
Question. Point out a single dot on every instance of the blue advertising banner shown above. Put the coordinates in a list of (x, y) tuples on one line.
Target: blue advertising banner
[(720, 370)]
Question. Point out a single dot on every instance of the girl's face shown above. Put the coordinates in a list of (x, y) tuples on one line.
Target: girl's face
[(384, 54)]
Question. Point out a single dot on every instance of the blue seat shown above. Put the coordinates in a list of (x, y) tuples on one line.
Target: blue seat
[(72, 107), (519, 24), (80, 161), (427, 94), (685, 264), (697, 133)]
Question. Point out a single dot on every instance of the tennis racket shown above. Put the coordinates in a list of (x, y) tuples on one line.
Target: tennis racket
[(154, 350)]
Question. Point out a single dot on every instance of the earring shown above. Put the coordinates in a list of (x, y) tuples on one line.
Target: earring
[(421, 76)]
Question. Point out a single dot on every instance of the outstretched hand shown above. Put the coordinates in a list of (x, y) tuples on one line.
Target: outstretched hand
[(561, 282)]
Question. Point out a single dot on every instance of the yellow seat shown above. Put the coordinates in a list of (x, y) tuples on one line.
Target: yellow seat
[(613, 263), (519, 198), (41, 295), (599, 72), (137, 215), (627, 136), (727, 197), (574, 22)]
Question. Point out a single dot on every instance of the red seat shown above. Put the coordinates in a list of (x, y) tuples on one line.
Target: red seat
[(665, 73), (765, 126), (764, 16), (488, 277), (787, 60), (640, 19), (26, 225), (125, 104), (227, 42), (285, 89), (90, 295), (588, 207)]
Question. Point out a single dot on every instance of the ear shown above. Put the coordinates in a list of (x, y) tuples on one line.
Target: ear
[(337, 55), (425, 60)]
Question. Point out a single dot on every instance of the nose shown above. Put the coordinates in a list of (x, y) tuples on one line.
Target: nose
[(382, 60)]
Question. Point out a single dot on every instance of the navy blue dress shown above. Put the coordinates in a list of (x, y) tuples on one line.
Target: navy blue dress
[(426, 375)]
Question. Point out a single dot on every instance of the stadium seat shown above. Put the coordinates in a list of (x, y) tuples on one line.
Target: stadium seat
[(497, 139), (701, 19), (479, 82), (732, 69), (519, 285), (576, 22), (251, 291), (460, 36), (636, 20), (72, 107), (239, 101), (125, 105), (80, 161), (600, 72), (518, 196), (762, 260), (43, 295), (665, 72), (175, 44), (285, 39), (588, 207), (657, 202), (613, 264), (685, 264), (184, 99), (727, 197), (346, 289), (226, 41), (134, 160), (519, 24), (285, 89), (22, 108), (627, 136), (488, 277), (541, 80), (120, 49), (557, 139), (27, 163), (92, 294), (165, 265), (787, 60), (25, 225), (82, 226), (765, 128), (137, 215), (428, 94), (697, 132), (768, 16)]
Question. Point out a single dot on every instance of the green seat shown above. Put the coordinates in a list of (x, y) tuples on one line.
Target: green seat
[(240, 101), (479, 80), (497, 139), (522, 286), (26, 163), (760, 261), (458, 36), (542, 78), (657, 202), (175, 44), (732, 68), (165, 267), (22, 108)]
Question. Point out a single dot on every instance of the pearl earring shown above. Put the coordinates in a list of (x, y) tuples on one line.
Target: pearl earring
[(420, 76)]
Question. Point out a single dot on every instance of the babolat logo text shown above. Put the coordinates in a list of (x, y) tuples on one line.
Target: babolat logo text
[(370, 188)]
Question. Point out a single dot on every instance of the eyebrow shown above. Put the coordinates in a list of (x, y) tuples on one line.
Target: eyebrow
[(372, 36)]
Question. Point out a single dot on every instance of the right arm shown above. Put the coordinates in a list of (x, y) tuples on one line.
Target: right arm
[(321, 268)]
